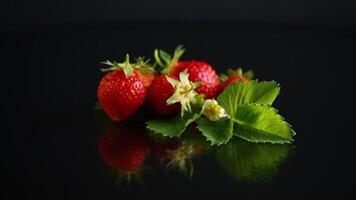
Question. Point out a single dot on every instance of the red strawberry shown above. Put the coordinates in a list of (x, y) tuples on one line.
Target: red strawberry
[(158, 94), (198, 71), (234, 79), (146, 78), (145, 72), (236, 75), (121, 92), (123, 148)]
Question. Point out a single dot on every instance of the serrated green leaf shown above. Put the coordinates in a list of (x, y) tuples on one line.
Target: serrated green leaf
[(174, 126), (250, 162), (263, 92), (171, 127), (229, 98), (261, 123), (217, 132), (238, 94)]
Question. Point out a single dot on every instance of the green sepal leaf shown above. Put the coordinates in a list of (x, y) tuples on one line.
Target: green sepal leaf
[(223, 77), (237, 72), (166, 61), (165, 56), (128, 71), (250, 74), (128, 67), (217, 132), (261, 123)]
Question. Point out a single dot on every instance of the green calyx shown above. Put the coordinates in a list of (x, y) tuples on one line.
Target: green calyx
[(237, 72), (127, 66), (165, 61), (184, 92)]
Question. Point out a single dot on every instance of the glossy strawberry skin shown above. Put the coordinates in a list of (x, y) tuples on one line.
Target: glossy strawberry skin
[(122, 148), (158, 93), (233, 79), (121, 96), (200, 71), (146, 78)]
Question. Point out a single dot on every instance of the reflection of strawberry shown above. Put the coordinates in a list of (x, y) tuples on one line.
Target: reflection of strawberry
[(160, 149), (199, 71), (122, 91), (158, 93), (122, 148)]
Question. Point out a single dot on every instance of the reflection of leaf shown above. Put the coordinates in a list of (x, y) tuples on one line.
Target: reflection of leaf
[(192, 136), (251, 161)]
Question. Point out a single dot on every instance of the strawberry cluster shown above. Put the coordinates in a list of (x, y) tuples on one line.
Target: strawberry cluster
[(169, 85)]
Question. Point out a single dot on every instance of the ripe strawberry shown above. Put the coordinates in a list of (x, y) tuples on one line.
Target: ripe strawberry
[(123, 148), (121, 92), (145, 72), (198, 71), (146, 78), (236, 75), (234, 79), (158, 94)]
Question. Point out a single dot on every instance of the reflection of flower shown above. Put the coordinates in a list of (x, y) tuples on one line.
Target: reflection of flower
[(213, 111), (180, 156)]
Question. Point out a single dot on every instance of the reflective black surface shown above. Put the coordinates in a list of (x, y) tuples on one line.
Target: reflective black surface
[(51, 134)]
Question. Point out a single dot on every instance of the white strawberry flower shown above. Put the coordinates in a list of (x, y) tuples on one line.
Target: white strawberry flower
[(213, 111), (184, 91)]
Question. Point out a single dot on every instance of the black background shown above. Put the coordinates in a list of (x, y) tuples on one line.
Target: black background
[(50, 54)]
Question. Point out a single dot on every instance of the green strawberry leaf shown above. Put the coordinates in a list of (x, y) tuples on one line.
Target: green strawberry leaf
[(263, 92), (261, 123), (217, 132), (229, 98), (172, 127), (238, 94)]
